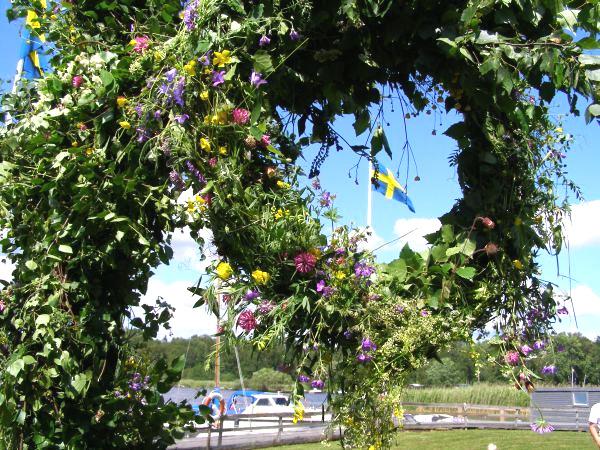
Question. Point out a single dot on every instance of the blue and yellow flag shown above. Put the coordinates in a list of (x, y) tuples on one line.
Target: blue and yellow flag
[(33, 55), (383, 181)]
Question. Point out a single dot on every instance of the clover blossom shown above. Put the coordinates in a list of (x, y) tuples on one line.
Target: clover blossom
[(140, 44), (247, 321), (240, 116), (512, 358), (305, 262)]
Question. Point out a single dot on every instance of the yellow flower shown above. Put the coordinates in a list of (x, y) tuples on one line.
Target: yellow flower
[(207, 71), (518, 264), (204, 95), (222, 58), (518, 221), (281, 213), (200, 200), (340, 275), (121, 101), (191, 207), (223, 150), (222, 117), (558, 130), (204, 144), (158, 55), (224, 270), (74, 144), (190, 68), (315, 252), (125, 124), (298, 412), (132, 42), (89, 151), (283, 184), (260, 277)]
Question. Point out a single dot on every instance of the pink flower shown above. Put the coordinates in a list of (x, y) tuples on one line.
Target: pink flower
[(141, 44), (240, 116), (265, 140), (305, 262), (246, 321), (212, 162), (512, 358), (266, 306), (77, 81)]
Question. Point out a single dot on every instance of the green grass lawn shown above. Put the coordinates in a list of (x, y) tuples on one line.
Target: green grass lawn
[(478, 440)]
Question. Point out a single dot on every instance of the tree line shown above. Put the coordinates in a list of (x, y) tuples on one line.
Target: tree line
[(576, 358)]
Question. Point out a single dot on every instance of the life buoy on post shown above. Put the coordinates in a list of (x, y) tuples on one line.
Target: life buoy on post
[(213, 397)]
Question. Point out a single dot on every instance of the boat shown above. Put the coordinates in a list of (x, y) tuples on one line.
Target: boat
[(258, 402)]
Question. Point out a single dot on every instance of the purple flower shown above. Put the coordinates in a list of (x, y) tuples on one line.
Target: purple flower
[(170, 75), (218, 77), (251, 295), (347, 334), (325, 290), (256, 79), (364, 358), (143, 135), (190, 14), (178, 91), (206, 58), (181, 118), (294, 35), (526, 349), (317, 384), (264, 40), (176, 179), (363, 270), (541, 427), (563, 310), (158, 114), (195, 172), (240, 116), (163, 89), (539, 345), (424, 313), (316, 184), (549, 370), (368, 345), (326, 199), (560, 348), (400, 309), (138, 109), (303, 378)]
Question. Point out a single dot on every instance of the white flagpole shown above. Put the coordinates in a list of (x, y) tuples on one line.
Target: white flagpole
[(369, 196)]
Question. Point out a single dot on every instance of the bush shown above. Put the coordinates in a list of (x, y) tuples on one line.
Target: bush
[(270, 380)]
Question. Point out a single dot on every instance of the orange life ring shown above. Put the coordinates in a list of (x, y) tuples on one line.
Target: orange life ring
[(210, 398)]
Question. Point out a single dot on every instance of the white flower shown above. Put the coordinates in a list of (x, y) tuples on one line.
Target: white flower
[(96, 61), (96, 79), (491, 447)]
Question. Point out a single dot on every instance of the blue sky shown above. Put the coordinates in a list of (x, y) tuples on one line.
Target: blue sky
[(432, 196)]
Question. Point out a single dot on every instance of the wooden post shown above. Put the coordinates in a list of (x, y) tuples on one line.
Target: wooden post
[(280, 429), (577, 419), (465, 414), (220, 440), (502, 415), (322, 412), (208, 437)]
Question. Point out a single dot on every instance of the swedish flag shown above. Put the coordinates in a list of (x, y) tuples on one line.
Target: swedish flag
[(383, 181), (33, 55)]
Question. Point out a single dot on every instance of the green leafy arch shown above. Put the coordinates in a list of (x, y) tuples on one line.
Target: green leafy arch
[(143, 105)]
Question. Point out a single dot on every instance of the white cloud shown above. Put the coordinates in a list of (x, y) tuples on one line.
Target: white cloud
[(187, 254), (585, 300), (411, 231), (187, 320), (582, 228)]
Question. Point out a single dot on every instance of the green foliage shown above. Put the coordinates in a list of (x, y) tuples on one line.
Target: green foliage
[(477, 394), (92, 167), (270, 380)]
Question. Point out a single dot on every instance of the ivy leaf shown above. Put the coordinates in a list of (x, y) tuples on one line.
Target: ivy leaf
[(362, 121), (16, 367), (262, 62), (65, 249), (466, 272)]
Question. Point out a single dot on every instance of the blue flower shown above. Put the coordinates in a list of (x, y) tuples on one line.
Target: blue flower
[(218, 77), (264, 40)]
